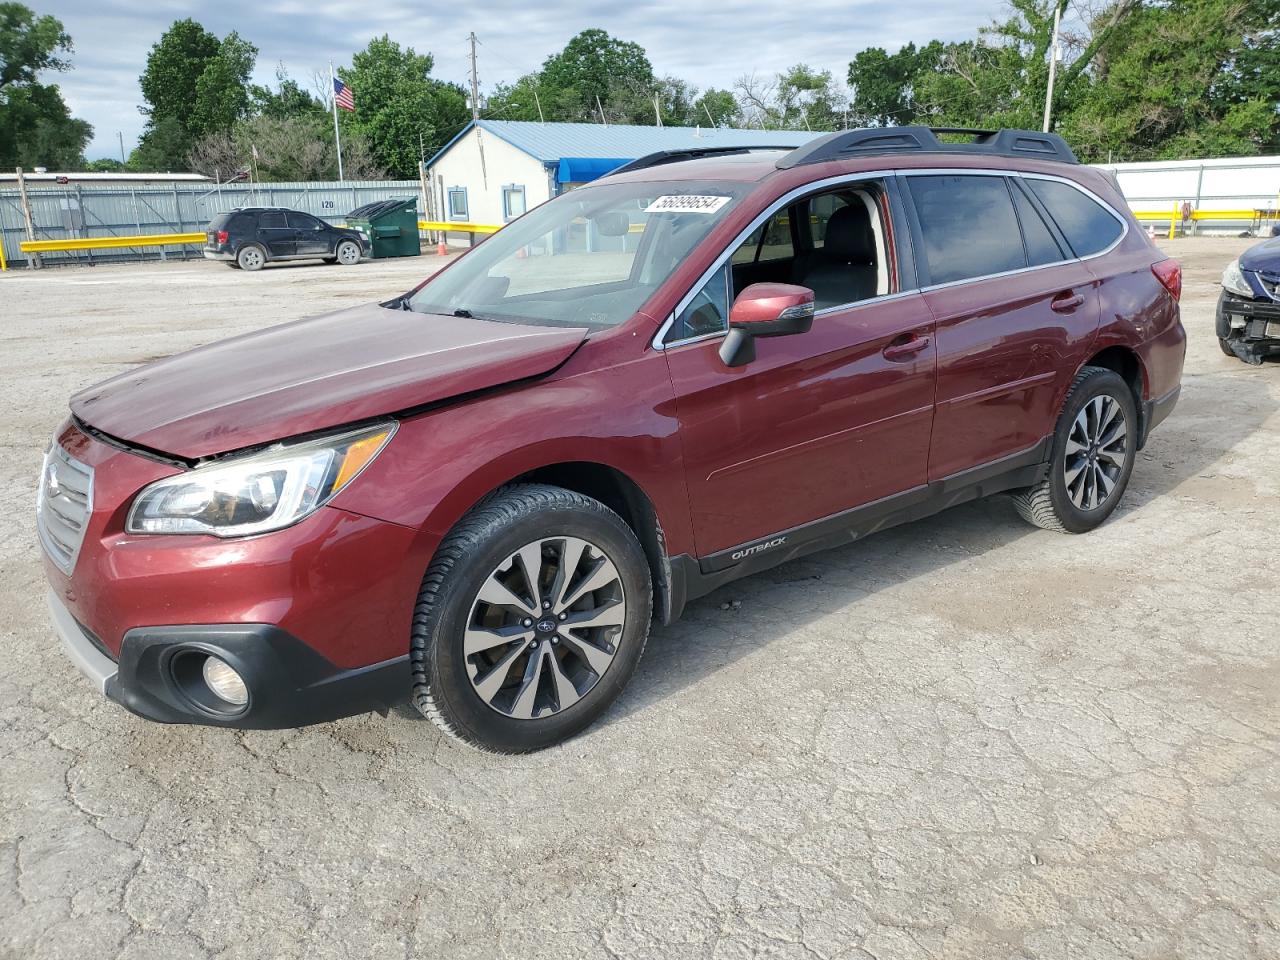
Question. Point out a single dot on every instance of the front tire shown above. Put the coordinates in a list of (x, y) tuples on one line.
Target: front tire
[(347, 253), (531, 619), (1094, 446)]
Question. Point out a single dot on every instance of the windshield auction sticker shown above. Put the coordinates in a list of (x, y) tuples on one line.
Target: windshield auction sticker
[(686, 203)]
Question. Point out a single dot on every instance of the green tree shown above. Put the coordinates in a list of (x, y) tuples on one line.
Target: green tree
[(287, 100), (883, 84), (1184, 78), (800, 98), (35, 125), (105, 165), (400, 109), (194, 84), (716, 108), (595, 68)]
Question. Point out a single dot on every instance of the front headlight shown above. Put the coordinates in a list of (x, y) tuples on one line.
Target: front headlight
[(255, 494), (1233, 280)]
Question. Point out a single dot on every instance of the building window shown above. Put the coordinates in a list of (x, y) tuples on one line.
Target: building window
[(457, 203), (512, 201)]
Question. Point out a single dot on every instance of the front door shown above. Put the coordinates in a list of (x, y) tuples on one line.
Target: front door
[(819, 423), (312, 236)]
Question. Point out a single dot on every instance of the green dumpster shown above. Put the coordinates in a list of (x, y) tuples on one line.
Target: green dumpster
[(390, 225)]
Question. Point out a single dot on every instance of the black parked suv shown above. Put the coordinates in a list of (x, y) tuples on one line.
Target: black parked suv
[(1249, 307), (249, 237)]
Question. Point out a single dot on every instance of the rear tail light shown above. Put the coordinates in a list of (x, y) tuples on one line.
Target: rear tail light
[(1169, 273), (222, 236)]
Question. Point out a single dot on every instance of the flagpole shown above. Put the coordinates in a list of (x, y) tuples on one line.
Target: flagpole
[(337, 141)]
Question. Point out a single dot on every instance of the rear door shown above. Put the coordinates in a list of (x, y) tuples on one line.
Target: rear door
[(313, 237), (276, 235), (1014, 309)]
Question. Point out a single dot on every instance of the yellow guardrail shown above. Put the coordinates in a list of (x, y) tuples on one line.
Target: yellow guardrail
[(1197, 215), (110, 243), (459, 226)]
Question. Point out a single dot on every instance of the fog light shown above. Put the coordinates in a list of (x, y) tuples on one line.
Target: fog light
[(225, 682)]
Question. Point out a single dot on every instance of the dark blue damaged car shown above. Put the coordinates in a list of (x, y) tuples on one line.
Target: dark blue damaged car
[(1249, 307)]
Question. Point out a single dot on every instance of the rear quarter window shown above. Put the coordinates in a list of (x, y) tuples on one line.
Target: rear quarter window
[(1088, 226)]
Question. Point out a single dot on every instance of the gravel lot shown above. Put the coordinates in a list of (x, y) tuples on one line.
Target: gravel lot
[(961, 738)]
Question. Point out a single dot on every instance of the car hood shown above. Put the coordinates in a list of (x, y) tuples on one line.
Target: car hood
[(1262, 256), (312, 374)]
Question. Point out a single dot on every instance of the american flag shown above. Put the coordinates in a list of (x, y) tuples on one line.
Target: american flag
[(342, 95)]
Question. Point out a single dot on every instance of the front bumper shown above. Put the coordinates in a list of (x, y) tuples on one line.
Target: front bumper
[(1253, 325), (158, 675), (316, 617)]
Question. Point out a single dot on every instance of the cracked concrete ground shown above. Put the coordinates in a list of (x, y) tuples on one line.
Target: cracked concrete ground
[(960, 738)]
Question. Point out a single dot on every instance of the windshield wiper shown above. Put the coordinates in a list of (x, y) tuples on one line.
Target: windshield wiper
[(466, 314)]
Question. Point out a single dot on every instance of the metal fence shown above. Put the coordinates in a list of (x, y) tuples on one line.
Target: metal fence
[(122, 210)]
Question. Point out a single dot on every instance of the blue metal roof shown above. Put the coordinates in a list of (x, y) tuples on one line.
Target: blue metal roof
[(550, 142)]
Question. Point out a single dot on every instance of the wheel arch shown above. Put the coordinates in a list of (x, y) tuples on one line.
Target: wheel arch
[(621, 494), (1126, 362)]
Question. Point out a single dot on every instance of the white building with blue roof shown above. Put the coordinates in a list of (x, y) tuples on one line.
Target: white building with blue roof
[(495, 170)]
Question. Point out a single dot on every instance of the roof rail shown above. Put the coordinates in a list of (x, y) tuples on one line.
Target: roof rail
[(690, 153), (875, 140)]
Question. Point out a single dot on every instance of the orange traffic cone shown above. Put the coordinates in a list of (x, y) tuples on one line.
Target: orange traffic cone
[(442, 248)]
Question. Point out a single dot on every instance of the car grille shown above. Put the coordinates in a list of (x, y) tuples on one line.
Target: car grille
[(1271, 284), (63, 504)]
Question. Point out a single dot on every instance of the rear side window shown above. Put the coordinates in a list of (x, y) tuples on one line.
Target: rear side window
[(303, 221), (1036, 236), (1087, 226), (969, 227), (270, 220)]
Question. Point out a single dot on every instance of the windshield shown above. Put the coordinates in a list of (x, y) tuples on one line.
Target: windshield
[(588, 258)]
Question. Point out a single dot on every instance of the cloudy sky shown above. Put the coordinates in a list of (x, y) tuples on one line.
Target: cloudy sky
[(706, 44)]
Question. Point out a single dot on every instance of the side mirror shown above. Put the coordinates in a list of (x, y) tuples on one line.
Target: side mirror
[(765, 310)]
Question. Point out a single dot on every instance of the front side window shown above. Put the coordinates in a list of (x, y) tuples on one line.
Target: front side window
[(587, 258), (1088, 226), (969, 227), (707, 312), (842, 258), (457, 203)]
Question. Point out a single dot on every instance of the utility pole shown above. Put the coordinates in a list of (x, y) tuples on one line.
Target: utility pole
[(1053, 63), (600, 107), (120, 137), (537, 100), (475, 107), (33, 259), (475, 80), (657, 110)]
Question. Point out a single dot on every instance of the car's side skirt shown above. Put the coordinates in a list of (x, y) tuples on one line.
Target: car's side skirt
[(694, 577)]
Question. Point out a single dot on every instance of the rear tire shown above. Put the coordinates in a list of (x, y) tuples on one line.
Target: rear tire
[(251, 257), (1225, 345), (497, 661), (1094, 446)]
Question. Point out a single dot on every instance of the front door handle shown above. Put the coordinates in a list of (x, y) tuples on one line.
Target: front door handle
[(1065, 303), (905, 349)]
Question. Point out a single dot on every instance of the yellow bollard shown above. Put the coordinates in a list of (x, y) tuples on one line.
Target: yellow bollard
[(3, 264), (1173, 221)]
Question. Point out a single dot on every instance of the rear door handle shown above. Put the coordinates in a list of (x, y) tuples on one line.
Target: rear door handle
[(905, 349), (1065, 303)]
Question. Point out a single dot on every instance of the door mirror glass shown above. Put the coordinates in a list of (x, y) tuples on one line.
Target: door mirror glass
[(765, 310)]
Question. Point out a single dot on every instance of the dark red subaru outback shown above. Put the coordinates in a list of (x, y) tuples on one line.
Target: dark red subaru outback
[(479, 494)]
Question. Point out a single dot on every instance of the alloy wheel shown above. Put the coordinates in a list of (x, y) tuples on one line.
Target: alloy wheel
[(1097, 449), (348, 253), (544, 627), (251, 258)]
